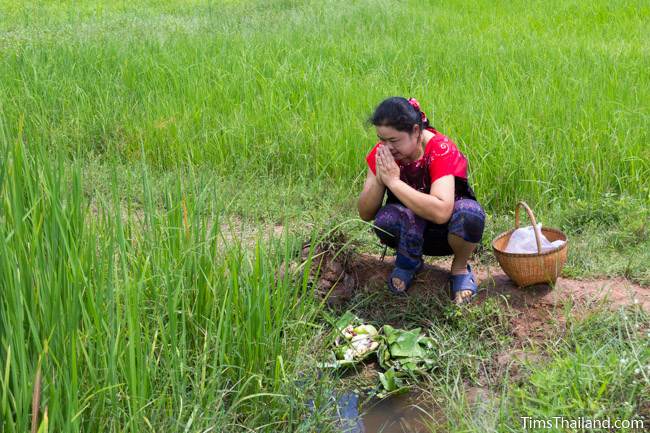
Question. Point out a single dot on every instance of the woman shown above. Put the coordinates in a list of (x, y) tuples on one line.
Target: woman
[(430, 207)]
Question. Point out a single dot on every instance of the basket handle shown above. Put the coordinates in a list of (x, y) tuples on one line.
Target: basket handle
[(531, 216)]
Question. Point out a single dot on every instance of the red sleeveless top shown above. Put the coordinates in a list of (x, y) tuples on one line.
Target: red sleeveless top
[(441, 157)]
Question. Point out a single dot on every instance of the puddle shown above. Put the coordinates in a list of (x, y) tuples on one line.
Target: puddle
[(396, 414)]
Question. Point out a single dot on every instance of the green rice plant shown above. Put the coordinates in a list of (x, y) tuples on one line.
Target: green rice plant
[(546, 100), (139, 322)]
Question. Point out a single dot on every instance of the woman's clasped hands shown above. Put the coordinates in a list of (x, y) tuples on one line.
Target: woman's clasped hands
[(387, 168)]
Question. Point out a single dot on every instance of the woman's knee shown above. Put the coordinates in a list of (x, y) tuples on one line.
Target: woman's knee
[(389, 220), (467, 220), (390, 216)]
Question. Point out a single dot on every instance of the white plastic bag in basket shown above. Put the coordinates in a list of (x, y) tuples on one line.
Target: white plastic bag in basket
[(522, 241)]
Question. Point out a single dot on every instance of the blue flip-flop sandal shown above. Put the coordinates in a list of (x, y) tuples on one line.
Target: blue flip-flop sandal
[(463, 282), (405, 275)]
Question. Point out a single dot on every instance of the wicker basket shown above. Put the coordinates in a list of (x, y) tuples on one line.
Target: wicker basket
[(529, 269)]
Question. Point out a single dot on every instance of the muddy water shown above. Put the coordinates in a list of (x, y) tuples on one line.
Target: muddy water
[(396, 414)]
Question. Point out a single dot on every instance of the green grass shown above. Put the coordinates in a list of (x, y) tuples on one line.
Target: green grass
[(603, 360), (132, 132), (548, 100), (141, 327), (598, 369)]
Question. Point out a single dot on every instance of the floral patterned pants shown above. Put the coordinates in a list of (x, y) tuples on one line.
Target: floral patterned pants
[(412, 236)]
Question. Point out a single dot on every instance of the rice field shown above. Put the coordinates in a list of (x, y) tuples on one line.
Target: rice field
[(548, 100), (132, 133)]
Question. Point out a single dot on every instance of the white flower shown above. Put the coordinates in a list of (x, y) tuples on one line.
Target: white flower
[(637, 370), (636, 301), (623, 361)]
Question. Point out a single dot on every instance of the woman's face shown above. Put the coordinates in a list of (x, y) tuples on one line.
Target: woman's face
[(402, 145)]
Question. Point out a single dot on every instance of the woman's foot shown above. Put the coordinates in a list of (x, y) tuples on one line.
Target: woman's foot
[(400, 279), (463, 285), (399, 284)]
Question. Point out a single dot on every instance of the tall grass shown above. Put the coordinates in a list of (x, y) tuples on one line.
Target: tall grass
[(147, 322), (548, 100)]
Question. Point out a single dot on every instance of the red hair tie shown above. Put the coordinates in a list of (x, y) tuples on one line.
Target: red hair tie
[(415, 104)]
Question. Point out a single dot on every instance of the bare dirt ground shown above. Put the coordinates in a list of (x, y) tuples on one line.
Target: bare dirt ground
[(537, 305)]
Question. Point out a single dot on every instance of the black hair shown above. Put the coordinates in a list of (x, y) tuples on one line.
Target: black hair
[(398, 113)]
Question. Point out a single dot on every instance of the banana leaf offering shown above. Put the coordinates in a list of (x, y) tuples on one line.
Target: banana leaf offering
[(355, 341), (402, 354), (410, 352)]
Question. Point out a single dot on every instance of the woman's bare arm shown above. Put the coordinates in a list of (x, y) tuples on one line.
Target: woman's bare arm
[(437, 206), (371, 197)]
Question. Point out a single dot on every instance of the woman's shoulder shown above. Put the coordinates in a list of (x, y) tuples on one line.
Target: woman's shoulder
[(443, 158), (439, 145)]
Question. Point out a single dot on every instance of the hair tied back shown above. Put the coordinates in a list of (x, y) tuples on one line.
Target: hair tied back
[(416, 105)]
